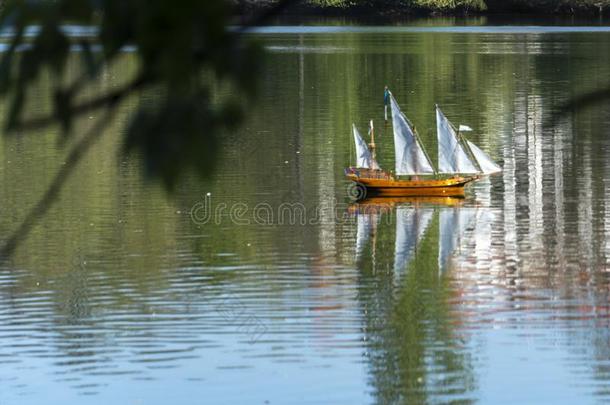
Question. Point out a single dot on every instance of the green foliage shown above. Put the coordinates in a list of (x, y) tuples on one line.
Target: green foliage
[(451, 4), (332, 3), (427, 6), (182, 51), (559, 6), (431, 5)]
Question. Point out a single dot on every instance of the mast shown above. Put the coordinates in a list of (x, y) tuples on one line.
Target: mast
[(372, 144), (351, 150), (364, 159), (411, 158)]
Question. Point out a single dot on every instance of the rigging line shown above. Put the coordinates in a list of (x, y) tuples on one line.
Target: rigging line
[(471, 156), (419, 143)]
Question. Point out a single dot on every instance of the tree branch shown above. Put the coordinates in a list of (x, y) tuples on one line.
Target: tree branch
[(585, 100), (50, 196), (578, 103), (107, 100), (140, 81)]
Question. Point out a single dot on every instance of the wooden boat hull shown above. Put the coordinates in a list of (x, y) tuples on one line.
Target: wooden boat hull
[(391, 187)]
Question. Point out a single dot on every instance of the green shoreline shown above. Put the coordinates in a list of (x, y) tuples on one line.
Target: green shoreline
[(413, 8)]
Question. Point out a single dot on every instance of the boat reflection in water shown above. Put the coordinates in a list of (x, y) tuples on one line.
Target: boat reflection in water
[(410, 305), (413, 216)]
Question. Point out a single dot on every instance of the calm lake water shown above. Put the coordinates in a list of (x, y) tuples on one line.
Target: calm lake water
[(215, 294)]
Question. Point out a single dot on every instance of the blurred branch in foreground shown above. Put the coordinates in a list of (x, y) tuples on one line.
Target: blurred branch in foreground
[(181, 51)]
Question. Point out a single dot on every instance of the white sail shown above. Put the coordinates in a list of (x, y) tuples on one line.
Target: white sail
[(452, 225), (487, 165), (411, 224), (451, 155), (410, 157), (364, 158)]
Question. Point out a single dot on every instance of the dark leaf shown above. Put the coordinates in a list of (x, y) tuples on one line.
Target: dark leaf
[(63, 110), (88, 59), (53, 47), (580, 103), (15, 111), (6, 65)]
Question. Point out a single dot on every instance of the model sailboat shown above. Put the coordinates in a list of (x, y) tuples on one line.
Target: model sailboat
[(459, 161)]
